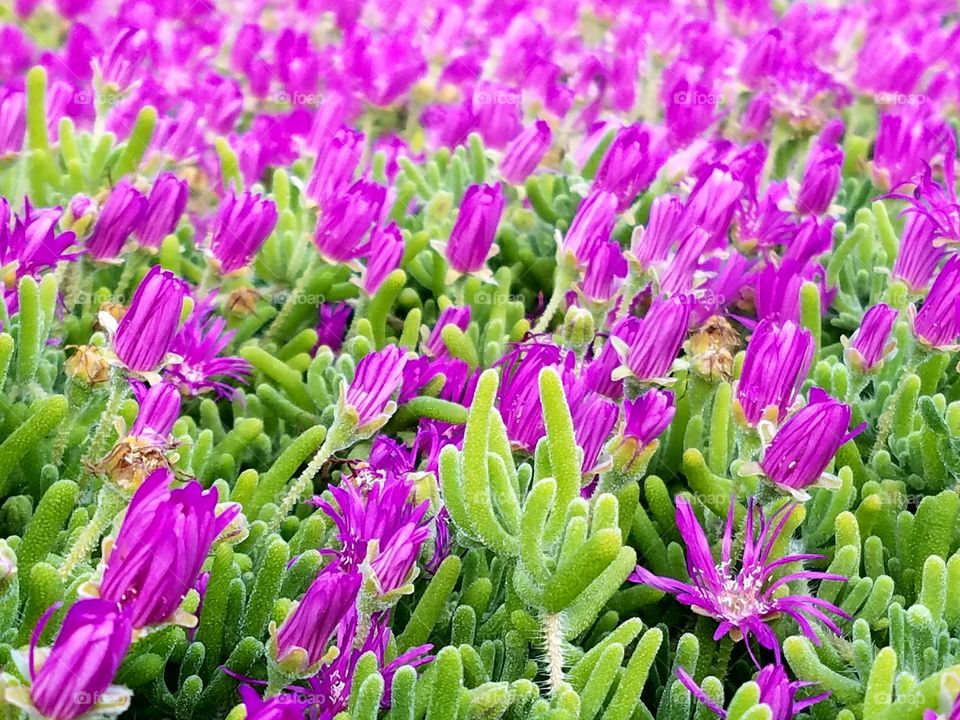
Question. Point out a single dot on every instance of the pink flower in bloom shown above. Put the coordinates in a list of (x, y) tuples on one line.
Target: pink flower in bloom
[(145, 333), (869, 345), (475, 228), (777, 361)]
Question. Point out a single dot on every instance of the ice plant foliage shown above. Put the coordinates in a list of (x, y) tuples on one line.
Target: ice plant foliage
[(582, 360)]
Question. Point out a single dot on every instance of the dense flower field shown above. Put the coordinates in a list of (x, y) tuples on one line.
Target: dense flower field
[(479, 360)]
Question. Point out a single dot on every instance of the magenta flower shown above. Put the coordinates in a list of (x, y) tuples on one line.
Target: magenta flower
[(243, 224), (524, 154), (599, 372), (805, 444), (332, 327), (73, 677), (301, 640), (918, 254), (452, 315), (475, 229), (120, 62), (905, 143), (13, 122), (869, 345), (121, 214), (648, 416), (590, 230), (384, 253), (498, 111), (337, 162), (604, 274), (279, 707), (666, 225), (31, 247), (629, 165), (745, 599), (198, 345), (519, 394), (935, 324), (937, 201), (146, 332), (343, 226), (159, 408), (821, 177), (777, 361), (156, 558), (652, 343), (713, 201), (164, 206), (777, 692), (593, 418), (377, 377)]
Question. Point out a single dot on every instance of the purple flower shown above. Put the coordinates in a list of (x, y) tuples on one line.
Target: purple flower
[(158, 553), (525, 152), (604, 274), (498, 113), (648, 416), (121, 214), (777, 361), (73, 677), (384, 253), (953, 713), (805, 444), (336, 165), (519, 395), (593, 418), (13, 122), (120, 62), (937, 201), (199, 344), (159, 408), (868, 347), (667, 224), (777, 692), (343, 226), (590, 230), (629, 165), (745, 599), (333, 324), (905, 143), (599, 372), (918, 254), (762, 58), (420, 371), (30, 248), (821, 177), (377, 377), (713, 201), (243, 225), (303, 637), (279, 707), (475, 229), (936, 324), (452, 315), (146, 331), (651, 344), (163, 209)]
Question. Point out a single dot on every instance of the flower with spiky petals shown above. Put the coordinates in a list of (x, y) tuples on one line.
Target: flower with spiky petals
[(525, 152), (935, 324), (777, 361), (871, 344), (343, 224), (475, 229), (629, 165), (746, 598), (300, 644), (777, 692), (650, 348), (160, 548), (144, 336), (243, 224), (164, 207), (198, 345), (937, 200), (121, 214), (31, 247), (336, 165), (519, 395), (802, 448), (279, 707), (73, 677), (368, 397), (384, 253), (918, 255)]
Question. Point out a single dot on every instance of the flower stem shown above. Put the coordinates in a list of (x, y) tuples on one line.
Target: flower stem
[(560, 287), (98, 445), (110, 502), (553, 642)]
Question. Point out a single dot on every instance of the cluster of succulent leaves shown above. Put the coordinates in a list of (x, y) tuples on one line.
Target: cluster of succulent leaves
[(531, 615)]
